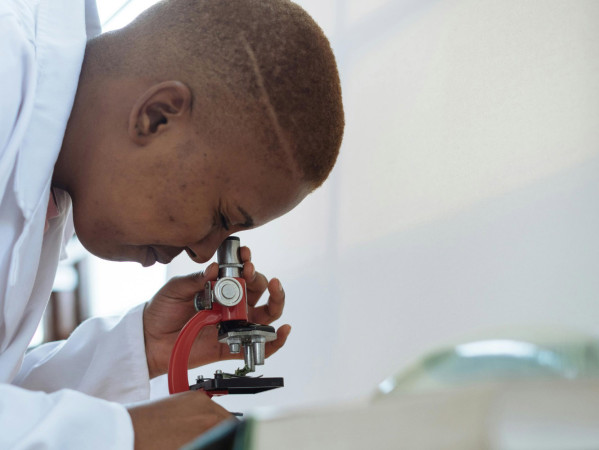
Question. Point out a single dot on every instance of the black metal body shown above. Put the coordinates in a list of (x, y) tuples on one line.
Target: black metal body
[(232, 384)]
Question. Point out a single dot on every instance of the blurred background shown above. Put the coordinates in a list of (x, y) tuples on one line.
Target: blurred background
[(465, 202)]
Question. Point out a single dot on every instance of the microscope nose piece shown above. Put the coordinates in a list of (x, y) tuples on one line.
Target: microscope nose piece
[(251, 337)]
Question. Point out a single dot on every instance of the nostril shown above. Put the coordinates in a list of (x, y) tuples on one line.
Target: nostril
[(190, 252)]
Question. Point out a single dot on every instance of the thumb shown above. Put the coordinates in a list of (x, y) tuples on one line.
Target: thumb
[(183, 287)]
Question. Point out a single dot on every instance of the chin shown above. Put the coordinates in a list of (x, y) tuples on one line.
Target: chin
[(106, 253)]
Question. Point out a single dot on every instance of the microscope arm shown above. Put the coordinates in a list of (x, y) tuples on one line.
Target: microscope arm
[(179, 362)]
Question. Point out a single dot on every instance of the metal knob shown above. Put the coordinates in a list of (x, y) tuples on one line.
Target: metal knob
[(228, 291)]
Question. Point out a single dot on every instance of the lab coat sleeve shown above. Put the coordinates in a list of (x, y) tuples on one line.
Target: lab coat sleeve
[(61, 421), (104, 357)]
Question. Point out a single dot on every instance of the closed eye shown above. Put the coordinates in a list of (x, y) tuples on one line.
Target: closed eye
[(224, 221)]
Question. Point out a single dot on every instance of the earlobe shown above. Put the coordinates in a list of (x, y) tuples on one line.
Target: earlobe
[(158, 108)]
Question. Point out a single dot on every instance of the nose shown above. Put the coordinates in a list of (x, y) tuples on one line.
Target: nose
[(205, 249)]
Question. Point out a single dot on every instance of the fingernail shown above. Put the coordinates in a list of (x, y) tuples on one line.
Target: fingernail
[(280, 286)]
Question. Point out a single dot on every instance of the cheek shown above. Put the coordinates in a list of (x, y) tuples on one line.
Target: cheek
[(187, 219)]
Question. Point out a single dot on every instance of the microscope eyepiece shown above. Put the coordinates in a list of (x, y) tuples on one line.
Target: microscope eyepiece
[(229, 259)]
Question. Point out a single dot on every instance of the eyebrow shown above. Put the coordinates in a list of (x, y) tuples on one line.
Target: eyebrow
[(249, 222)]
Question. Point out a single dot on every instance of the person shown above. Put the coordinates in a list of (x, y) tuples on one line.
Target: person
[(200, 119)]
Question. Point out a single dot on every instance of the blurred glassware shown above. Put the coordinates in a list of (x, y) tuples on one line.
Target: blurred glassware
[(555, 355)]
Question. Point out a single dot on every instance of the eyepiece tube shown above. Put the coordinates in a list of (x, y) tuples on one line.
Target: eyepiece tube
[(229, 259)]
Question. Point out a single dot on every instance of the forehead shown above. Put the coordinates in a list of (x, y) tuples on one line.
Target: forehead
[(249, 168)]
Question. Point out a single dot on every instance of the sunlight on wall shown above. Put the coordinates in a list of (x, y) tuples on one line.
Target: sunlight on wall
[(358, 9), (116, 14), (448, 114)]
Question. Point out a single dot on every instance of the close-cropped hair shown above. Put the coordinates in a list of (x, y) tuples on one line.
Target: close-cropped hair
[(261, 66)]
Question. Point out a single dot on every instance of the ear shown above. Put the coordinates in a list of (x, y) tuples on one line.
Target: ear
[(157, 109)]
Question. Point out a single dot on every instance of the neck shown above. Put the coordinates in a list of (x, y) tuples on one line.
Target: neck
[(68, 163)]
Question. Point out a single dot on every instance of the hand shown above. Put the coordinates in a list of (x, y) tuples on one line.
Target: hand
[(171, 308), (171, 422)]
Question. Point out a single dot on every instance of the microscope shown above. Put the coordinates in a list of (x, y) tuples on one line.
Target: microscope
[(224, 302)]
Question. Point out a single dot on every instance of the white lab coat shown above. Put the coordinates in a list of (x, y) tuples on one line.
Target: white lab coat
[(68, 394)]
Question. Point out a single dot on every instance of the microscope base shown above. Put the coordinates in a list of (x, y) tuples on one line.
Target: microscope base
[(222, 385)]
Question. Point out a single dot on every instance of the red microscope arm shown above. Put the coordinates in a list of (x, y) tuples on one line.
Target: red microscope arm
[(179, 362)]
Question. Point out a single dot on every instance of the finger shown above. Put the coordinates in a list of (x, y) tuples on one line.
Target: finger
[(274, 307), (256, 285), (246, 254), (282, 335), (186, 286), (249, 272)]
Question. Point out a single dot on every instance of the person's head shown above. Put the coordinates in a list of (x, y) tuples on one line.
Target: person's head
[(200, 119)]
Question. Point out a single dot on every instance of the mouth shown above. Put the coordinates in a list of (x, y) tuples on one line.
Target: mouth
[(154, 255), (151, 257)]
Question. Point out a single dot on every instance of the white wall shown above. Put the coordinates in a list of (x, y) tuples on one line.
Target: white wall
[(465, 199)]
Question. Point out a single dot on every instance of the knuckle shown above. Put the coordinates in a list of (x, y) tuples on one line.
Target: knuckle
[(173, 280), (197, 276)]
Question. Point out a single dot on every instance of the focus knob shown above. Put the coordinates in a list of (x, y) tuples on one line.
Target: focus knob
[(228, 291)]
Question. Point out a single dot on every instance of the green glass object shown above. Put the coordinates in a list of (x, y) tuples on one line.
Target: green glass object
[(497, 360)]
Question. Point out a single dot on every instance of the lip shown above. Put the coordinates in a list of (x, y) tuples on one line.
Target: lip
[(162, 256), (151, 257)]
